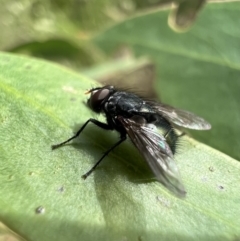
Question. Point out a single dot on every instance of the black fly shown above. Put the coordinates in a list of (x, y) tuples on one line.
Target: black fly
[(139, 119)]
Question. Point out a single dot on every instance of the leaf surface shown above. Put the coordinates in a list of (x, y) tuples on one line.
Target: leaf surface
[(42, 195)]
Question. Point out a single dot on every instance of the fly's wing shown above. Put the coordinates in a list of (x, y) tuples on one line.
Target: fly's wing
[(180, 117), (157, 154)]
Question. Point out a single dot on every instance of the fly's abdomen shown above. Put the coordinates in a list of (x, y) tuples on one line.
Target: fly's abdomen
[(166, 129)]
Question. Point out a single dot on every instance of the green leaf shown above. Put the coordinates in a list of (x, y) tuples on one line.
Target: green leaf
[(197, 71), (42, 195), (71, 53), (26, 21)]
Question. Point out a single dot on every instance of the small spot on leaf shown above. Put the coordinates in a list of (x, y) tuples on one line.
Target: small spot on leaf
[(211, 169), (40, 210)]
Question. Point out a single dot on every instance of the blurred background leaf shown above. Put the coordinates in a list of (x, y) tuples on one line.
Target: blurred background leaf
[(33, 27)]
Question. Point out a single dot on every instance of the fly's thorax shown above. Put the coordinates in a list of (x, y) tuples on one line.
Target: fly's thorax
[(145, 108), (125, 103)]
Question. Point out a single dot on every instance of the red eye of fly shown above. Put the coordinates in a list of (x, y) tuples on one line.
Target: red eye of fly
[(96, 99)]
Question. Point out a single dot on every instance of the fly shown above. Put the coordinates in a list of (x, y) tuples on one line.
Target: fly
[(140, 120)]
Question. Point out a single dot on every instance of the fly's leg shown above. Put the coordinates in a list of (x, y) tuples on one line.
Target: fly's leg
[(171, 138), (96, 122), (182, 134), (170, 129), (101, 125), (123, 138)]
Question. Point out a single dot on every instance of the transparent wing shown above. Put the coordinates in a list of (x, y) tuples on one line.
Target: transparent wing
[(180, 117), (157, 154)]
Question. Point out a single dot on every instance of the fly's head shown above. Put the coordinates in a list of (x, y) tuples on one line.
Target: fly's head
[(98, 97)]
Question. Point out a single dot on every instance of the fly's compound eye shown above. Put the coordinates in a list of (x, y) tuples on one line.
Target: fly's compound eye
[(97, 98)]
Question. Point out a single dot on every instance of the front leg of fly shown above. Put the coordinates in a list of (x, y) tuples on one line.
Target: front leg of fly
[(96, 122), (109, 126), (114, 124)]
